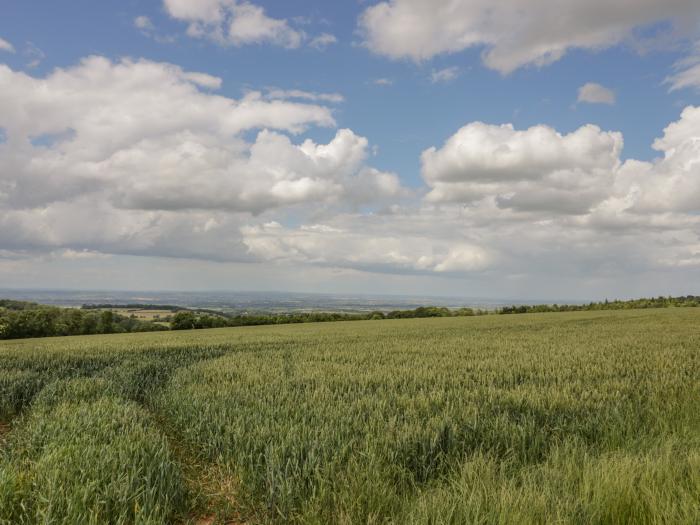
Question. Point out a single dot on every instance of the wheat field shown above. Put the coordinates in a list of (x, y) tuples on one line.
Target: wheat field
[(571, 418)]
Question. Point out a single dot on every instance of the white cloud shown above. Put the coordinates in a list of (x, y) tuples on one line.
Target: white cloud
[(143, 22), (368, 246), (142, 158), (383, 82), (207, 11), (148, 29), (687, 78), (250, 25), (203, 80), (514, 33), (687, 72), (593, 93), (33, 54), (447, 74), (530, 170), (284, 94), (81, 254), (234, 22), (112, 104), (670, 184), (6, 46), (119, 157), (566, 204), (322, 41)]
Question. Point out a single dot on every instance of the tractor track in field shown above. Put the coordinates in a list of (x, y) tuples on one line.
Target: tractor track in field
[(4, 430), (213, 490)]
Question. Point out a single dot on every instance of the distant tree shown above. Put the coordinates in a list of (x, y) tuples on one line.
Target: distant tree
[(106, 324), (184, 321), (88, 325)]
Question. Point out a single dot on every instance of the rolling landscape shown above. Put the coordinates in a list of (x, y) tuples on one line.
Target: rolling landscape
[(576, 417), (361, 262)]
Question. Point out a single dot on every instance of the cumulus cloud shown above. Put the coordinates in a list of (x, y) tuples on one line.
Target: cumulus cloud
[(530, 170), (145, 158), (98, 110), (148, 29), (233, 22), (513, 33), (250, 25), (322, 41), (554, 201), (6, 46), (670, 184), (447, 74), (124, 157), (593, 93), (548, 201), (373, 248), (91, 223)]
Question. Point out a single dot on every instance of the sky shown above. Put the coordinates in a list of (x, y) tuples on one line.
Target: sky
[(531, 149)]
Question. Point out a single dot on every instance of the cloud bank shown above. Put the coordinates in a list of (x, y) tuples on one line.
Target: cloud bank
[(125, 157), (143, 158), (512, 33)]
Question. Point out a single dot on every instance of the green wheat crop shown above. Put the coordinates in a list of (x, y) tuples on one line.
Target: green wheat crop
[(587, 417)]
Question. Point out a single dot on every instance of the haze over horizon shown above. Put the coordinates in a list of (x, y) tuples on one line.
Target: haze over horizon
[(77, 296), (398, 147)]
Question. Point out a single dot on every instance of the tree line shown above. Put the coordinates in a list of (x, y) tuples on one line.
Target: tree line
[(20, 319), (189, 320), (653, 302)]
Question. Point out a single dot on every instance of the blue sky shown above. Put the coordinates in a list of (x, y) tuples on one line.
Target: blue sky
[(530, 96), (401, 100)]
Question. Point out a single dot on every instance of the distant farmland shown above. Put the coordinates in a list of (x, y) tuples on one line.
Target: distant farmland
[(144, 315), (582, 417)]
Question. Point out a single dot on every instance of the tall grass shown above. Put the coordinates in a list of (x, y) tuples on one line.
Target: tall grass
[(553, 418), (88, 458)]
